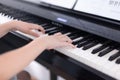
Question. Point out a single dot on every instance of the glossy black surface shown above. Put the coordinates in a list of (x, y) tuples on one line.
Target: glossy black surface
[(114, 56)]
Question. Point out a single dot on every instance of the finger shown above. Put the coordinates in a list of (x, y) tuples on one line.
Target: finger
[(57, 34), (38, 27), (42, 29), (33, 33), (65, 44), (66, 38)]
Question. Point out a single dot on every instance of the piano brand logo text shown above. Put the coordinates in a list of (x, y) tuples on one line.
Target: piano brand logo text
[(114, 3)]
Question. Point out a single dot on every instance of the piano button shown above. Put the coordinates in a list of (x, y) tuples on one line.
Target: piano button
[(105, 51), (118, 61), (90, 45), (114, 56)]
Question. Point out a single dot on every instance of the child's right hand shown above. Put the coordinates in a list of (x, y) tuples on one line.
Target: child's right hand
[(55, 41)]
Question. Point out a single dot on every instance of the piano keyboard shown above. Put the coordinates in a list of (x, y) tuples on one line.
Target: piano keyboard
[(96, 52)]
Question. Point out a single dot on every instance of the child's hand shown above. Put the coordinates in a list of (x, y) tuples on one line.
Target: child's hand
[(27, 27), (55, 41)]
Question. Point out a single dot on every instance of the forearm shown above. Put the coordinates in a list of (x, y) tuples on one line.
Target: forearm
[(13, 62), (5, 28)]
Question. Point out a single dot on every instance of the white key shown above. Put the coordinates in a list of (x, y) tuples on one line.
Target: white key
[(67, 33), (117, 72), (108, 65), (77, 39)]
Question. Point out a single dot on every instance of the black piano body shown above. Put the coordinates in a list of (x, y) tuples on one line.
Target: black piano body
[(53, 60)]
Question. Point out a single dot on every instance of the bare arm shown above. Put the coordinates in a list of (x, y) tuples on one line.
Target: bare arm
[(14, 61), (4, 29)]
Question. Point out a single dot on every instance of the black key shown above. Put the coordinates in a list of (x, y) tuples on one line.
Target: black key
[(73, 33), (34, 20), (81, 44), (87, 37), (118, 61), (101, 47), (50, 29), (47, 26), (53, 32), (64, 31), (76, 42), (104, 52), (25, 19), (73, 36), (114, 56), (90, 45), (84, 43)]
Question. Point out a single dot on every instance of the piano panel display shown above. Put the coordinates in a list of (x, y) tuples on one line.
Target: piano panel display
[(61, 3), (105, 8)]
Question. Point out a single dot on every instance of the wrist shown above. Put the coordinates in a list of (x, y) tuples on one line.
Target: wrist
[(35, 47), (40, 43), (13, 25), (10, 26)]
